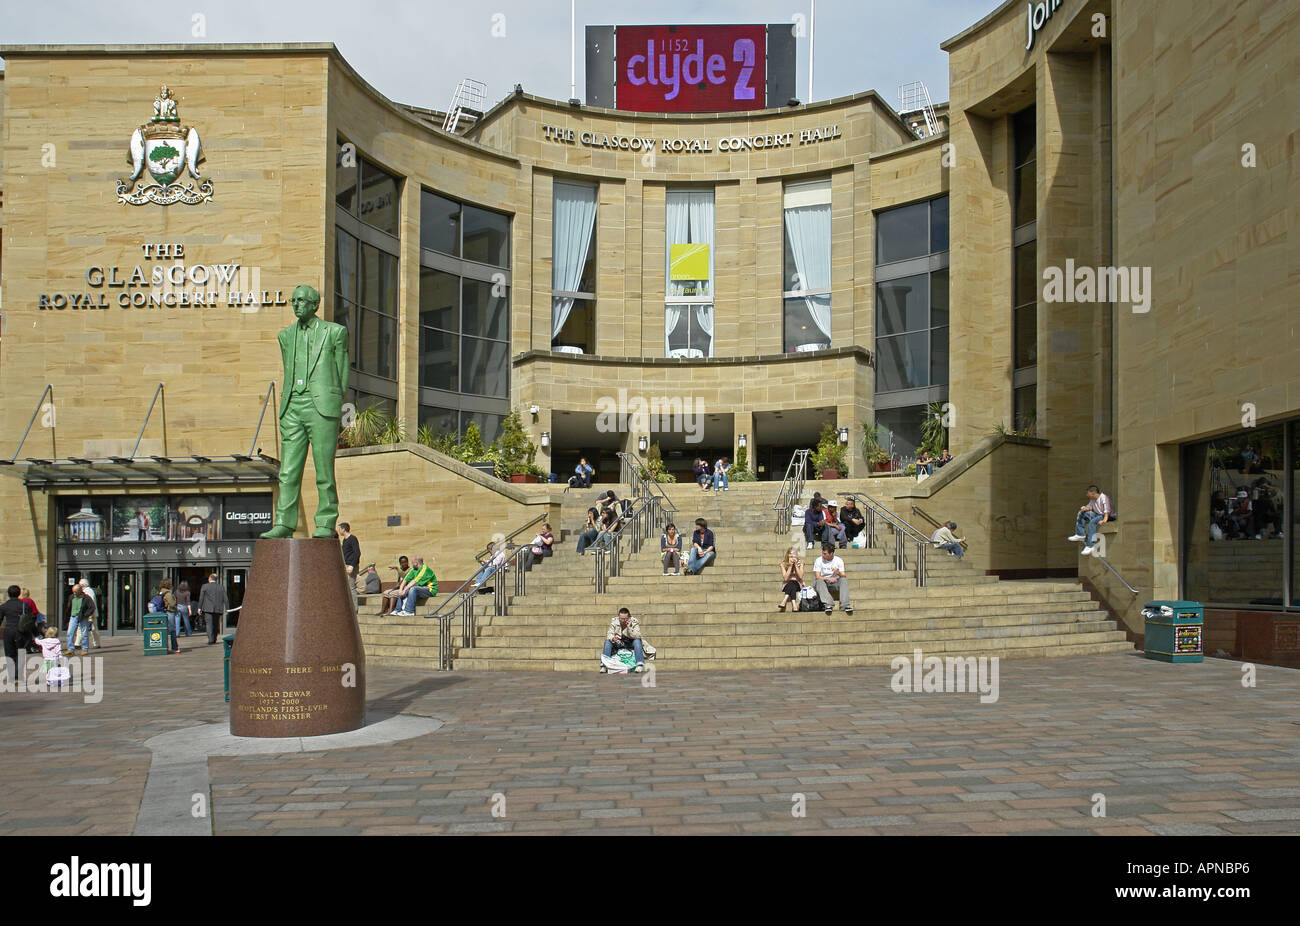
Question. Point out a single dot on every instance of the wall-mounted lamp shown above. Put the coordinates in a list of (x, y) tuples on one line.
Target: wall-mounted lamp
[(844, 435), (642, 443), (534, 409), (546, 439), (741, 441)]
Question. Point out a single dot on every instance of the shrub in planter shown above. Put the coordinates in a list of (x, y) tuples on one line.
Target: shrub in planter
[(515, 451), (830, 457)]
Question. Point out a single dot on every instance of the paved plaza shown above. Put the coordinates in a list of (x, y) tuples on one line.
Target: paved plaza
[(1171, 749)]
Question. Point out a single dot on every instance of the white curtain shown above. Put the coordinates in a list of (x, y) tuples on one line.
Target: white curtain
[(573, 217), (689, 219), (809, 228)]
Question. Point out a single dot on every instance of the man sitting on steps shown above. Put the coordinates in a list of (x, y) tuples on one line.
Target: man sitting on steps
[(702, 547), (831, 580), (420, 584), (945, 538)]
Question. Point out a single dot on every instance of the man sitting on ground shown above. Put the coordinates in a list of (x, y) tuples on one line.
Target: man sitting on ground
[(702, 547), (832, 583), (624, 632), (945, 538), (420, 583), (371, 579), (1097, 511)]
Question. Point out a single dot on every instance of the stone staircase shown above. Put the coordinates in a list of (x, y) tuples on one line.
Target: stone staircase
[(727, 617)]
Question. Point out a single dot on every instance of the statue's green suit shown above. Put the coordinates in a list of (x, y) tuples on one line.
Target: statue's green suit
[(315, 355)]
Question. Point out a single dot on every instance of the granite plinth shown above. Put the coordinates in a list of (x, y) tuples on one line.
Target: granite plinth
[(297, 667)]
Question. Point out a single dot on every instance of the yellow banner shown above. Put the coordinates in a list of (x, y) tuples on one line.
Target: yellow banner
[(689, 261)]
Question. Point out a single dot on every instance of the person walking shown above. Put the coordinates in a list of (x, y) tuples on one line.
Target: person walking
[(75, 602), (351, 548), (87, 614), (164, 602), (212, 604), (183, 605), (90, 631)]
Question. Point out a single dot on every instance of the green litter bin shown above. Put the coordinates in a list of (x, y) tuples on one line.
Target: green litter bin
[(154, 627), (227, 643), (1175, 631)]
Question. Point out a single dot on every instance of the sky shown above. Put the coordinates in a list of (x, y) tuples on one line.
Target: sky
[(416, 52)]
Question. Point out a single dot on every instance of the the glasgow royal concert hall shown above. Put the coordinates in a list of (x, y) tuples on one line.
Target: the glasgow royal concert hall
[(1078, 270)]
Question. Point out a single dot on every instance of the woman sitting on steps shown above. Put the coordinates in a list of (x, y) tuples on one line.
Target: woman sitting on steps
[(791, 578)]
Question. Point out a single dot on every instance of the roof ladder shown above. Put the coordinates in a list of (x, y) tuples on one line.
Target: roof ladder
[(916, 96), (468, 99)]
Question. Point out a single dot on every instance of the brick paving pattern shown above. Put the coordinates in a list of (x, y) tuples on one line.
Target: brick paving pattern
[(1178, 750)]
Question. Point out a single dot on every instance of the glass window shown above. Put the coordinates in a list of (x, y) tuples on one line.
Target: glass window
[(345, 177), (484, 366), (489, 425), (377, 345), (689, 330), (1026, 334), (1026, 300), (439, 360), (903, 304), (902, 427), (363, 400), (903, 233), (439, 224), (573, 266), (802, 332), (486, 236), (579, 330), (1026, 408), (689, 220), (377, 204), (484, 313), (345, 314), (939, 224), (345, 265), (1024, 129), (939, 298), (1234, 492), (439, 420), (438, 299), (371, 273), (939, 356), (902, 361)]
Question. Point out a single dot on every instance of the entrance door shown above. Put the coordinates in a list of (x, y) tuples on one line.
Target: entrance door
[(99, 586), (236, 584), (127, 603), (61, 609)]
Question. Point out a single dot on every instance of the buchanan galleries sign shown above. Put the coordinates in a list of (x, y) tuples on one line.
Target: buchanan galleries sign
[(173, 284)]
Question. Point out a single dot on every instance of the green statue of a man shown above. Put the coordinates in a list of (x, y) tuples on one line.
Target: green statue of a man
[(315, 354)]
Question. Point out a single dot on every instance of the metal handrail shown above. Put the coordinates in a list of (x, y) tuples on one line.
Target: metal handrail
[(1114, 572), (48, 390), (647, 517), (873, 509), (791, 489), (934, 523), (540, 519), (630, 468)]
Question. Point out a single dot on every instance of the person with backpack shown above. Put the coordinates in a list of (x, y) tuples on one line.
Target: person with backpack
[(18, 624), (164, 602)]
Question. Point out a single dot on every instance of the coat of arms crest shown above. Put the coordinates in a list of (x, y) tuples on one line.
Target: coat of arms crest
[(166, 149)]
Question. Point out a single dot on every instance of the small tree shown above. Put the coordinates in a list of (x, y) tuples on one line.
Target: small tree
[(934, 436), (515, 452), (830, 452), (740, 469)]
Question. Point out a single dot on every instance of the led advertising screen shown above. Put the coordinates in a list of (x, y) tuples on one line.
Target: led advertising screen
[(691, 69)]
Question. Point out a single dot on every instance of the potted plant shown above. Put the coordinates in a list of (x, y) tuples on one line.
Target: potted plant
[(515, 452), (829, 457), (877, 457), (740, 468)]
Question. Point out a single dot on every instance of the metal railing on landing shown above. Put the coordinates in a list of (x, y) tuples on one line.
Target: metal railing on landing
[(905, 535), (648, 517), (791, 490), (630, 472), (510, 537), (1113, 571)]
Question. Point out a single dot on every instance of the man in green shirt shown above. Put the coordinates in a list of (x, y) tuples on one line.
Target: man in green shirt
[(419, 583)]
